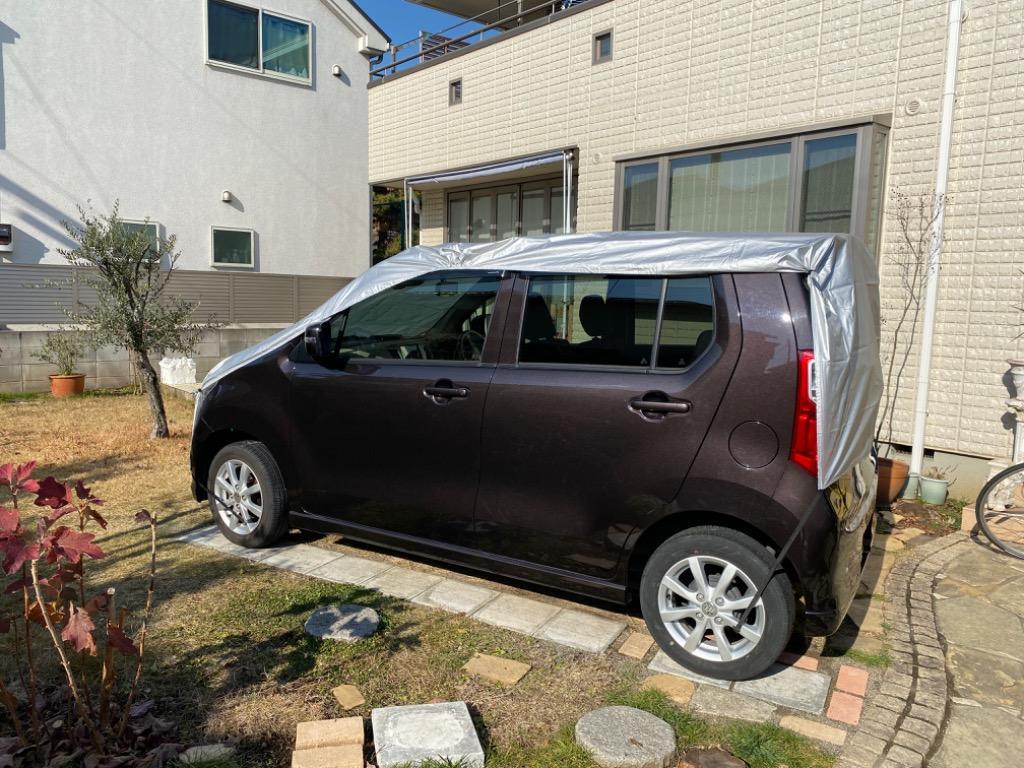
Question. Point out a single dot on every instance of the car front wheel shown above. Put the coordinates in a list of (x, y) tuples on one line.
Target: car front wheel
[(694, 593), (247, 495)]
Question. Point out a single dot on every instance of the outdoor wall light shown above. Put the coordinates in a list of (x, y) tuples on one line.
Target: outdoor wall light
[(226, 196), (336, 70)]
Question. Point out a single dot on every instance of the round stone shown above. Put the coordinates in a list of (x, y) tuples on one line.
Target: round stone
[(347, 623), (624, 737)]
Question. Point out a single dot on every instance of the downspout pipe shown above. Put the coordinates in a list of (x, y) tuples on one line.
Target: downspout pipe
[(924, 368)]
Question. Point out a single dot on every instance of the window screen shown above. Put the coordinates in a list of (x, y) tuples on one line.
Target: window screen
[(590, 320), (688, 321)]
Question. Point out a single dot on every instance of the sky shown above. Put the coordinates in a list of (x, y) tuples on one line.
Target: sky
[(403, 20)]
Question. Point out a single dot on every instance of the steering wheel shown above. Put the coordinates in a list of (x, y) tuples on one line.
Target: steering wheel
[(470, 345)]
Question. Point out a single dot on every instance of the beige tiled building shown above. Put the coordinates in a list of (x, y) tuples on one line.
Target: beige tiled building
[(739, 114)]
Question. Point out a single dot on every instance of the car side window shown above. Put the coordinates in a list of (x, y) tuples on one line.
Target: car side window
[(688, 321), (436, 317), (590, 320)]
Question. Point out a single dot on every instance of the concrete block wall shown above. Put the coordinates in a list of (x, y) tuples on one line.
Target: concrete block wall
[(107, 367)]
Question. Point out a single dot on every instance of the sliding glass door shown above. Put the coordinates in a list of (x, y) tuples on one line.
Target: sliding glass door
[(496, 213)]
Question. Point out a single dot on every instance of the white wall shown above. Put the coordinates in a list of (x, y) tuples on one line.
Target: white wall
[(105, 99)]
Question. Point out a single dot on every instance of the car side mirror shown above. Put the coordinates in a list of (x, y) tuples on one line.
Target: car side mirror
[(317, 340)]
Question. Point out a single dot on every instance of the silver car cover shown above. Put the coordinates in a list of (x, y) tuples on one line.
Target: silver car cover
[(842, 279)]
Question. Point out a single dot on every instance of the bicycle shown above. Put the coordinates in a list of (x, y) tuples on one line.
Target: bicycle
[(1000, 510)]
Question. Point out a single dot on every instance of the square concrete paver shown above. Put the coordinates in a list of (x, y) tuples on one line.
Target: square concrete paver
[(348, 697), (719, 703), (496, 669), (519, 614), (455, 596), (583, 631), (329, 733), (678, 689), (211, 538), (790, 687), (301, 558), (411, 735), (852, 680), (814, 730), (350, 570), (662, 663), (401, 582), (845, 708), (346, 756), (637, 645)]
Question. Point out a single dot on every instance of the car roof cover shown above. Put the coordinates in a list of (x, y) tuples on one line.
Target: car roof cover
[(842, 279)]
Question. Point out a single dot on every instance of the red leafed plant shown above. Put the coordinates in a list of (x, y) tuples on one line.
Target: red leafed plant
[(87, 718)]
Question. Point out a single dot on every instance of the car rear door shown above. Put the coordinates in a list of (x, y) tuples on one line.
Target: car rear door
[(388, 433), (586, 436)]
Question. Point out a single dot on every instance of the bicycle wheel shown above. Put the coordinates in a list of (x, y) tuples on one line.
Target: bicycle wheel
[(1000, 510)]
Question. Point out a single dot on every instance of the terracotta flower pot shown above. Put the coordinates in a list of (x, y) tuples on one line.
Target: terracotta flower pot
[(65, 386), (892, 477)]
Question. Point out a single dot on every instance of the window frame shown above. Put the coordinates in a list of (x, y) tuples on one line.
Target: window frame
[(522, 292), (860, 204), (146, 223), (455, 99), (260, 70), (597, 58), (546, 183), (233, 265)]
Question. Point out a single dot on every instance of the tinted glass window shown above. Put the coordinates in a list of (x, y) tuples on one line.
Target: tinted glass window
[(688, 322), (234, 34), (442, 317), (590, 320), (285, 46)]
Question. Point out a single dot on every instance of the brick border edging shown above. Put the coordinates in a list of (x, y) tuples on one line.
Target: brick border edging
[(902, 722)]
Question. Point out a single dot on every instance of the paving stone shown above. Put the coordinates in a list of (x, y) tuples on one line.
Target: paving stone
[(719, 703), (852, 680), (401, 582), (790, 687), (301, 558), (637, 645), (350, 570), (800, 661), (968, 622), (814, 730), (715, 757), (986, 677), (868, 614), (580, 630), (496, 669), (413, 734), (205, 753), (662, 663), (348, 697), (845, 708), (455, 596), (346, 756), (624, 737), (980, 738), (519, 614), (678, 689), (346, 623), (211, 538), (904, 757), (329, 733)]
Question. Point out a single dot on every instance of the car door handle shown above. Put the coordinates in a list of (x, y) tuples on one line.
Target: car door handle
[(659, 406), (444, 390)]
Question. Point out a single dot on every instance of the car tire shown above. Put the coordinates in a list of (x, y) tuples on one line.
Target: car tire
[(246, 476), (703, 635)]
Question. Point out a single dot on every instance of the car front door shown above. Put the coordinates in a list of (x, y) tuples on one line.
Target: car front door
[(588, 434), (387, 426)]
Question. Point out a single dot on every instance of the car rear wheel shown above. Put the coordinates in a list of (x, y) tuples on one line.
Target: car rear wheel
[(247, 495), (694, 592)]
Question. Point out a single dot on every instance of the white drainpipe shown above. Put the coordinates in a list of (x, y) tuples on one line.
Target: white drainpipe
[(935, 253)]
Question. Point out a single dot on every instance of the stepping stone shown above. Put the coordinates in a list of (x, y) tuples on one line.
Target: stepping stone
[(624, 737), (206, 753), (719, 703), (346, 756), (402, 583), (301, 558), (406, 736), (583, 631), (790, 687), (348, 697), (498, 670), (814, 730), (329, 733), (709, 758), (455, 596), (677, 689), (662, 663), (519, 614), (350, 570), (347, 623), (637, 645)]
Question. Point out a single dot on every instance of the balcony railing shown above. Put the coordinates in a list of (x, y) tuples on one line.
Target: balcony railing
[(429, 46)]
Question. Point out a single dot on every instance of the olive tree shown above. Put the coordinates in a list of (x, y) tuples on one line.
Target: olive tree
[(132, 308)]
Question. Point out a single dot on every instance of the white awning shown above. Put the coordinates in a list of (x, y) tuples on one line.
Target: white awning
[(492, 169)]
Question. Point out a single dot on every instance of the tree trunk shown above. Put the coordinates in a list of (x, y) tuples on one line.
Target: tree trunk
[(156, 399)]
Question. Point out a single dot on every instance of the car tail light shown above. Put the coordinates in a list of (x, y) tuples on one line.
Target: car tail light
[(804, 447)]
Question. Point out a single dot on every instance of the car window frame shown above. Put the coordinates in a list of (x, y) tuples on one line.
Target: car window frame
[(512, 334)]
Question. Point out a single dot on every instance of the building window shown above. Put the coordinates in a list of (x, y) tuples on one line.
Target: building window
[(232, 247), (495, 213), (254, 39), (602, 47), (149, 228), (455, 92), (816, 182)]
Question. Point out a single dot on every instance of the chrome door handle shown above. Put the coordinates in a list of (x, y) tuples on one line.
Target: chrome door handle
[(658, 406), (446, 392)]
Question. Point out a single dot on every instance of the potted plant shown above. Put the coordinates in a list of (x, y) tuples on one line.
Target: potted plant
[(62, 349), (915, 219), (934, 485)]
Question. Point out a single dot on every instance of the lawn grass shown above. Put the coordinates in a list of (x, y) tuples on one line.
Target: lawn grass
[(228, 659)]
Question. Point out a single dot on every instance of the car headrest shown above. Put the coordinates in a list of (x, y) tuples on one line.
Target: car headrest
[(479, 324), (594, 315), (538, 325), (703, 342)]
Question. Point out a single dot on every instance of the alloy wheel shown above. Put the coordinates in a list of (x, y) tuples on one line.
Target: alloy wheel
[(239, 498)]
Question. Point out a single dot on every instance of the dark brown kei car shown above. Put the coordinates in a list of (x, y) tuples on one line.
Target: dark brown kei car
[(627, 438)]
